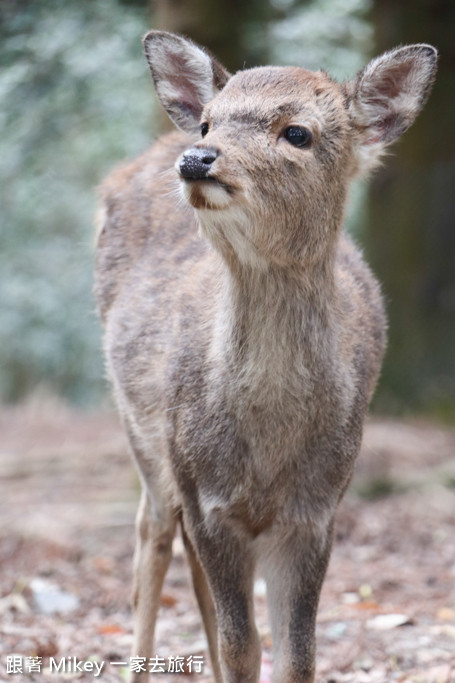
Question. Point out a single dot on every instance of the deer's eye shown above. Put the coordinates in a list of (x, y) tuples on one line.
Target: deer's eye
[(204, 129), (298, 136)]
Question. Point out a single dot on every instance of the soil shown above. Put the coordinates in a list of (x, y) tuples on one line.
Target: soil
[(68, 498)]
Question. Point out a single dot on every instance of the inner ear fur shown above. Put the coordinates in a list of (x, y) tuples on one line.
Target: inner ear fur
[(186, 76), (390, 92)]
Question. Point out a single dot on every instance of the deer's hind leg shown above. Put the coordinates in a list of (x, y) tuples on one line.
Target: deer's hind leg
[(152, 556), (156, 523), (205, 602)]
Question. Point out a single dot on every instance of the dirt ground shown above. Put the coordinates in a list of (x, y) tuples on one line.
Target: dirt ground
[(67, 504)]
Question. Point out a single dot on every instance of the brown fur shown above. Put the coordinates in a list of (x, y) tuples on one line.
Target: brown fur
[(243, 359)]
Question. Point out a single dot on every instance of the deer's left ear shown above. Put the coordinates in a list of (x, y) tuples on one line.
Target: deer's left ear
[(185, 75), (387, 95)]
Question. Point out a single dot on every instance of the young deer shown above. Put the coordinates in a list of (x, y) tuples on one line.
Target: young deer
[(244, 332)]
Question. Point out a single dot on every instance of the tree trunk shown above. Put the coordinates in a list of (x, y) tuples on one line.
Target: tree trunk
[(411, 232)]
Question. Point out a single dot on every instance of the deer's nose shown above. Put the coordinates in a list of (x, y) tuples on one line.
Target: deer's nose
[(196, 162)]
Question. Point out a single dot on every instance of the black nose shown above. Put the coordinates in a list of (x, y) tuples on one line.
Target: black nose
[(196, 162)]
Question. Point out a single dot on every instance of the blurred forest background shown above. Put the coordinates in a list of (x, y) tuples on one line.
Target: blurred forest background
[(77, 99)]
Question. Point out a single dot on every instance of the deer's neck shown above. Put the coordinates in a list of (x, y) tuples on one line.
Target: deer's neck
[(275, 324)]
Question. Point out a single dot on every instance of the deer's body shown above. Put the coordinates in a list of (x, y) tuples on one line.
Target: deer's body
[(243, 363)]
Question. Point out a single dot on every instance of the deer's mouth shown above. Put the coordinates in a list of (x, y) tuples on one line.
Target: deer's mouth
[(210, 179), (209, 193)]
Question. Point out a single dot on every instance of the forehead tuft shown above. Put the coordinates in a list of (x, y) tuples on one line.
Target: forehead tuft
[(281, 81), (259, 94)]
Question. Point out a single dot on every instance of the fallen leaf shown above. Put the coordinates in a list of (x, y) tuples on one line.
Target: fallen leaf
[(14, 602), (167, 600), (366, 605), (103, 564), (446, 630), (108, 629), (365, 591), (47, 648), (50, 599), (445, 614), (266, 641), (384, 622)]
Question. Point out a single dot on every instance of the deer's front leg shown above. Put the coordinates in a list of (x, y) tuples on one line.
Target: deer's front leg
[(227, 559), (294, 573)]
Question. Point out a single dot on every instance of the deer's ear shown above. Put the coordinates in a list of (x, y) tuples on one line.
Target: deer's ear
[(387, 95), (186, 76)]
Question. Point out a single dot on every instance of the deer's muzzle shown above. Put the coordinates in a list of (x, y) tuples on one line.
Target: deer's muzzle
[(196, 162)]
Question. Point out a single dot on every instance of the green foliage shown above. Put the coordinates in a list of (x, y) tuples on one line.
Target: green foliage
[(334, 35), (78, 99), (378, 488)]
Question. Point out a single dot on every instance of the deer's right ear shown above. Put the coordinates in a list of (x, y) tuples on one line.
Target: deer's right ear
[(388, 94), (186, 77)]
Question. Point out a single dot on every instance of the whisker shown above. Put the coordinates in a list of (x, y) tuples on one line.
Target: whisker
[(175, 192), (168, 171)]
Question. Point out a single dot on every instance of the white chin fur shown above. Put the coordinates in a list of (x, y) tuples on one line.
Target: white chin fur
[(233, 227), (221, 221), (215, 196)]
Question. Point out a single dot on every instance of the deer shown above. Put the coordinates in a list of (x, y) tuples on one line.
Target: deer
[(244, 333)]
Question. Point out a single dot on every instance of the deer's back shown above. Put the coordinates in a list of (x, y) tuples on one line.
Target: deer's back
[(145, 234), (150, 260)]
